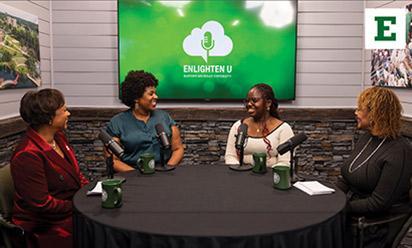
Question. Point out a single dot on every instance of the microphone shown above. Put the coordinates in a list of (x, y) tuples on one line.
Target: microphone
[(208, 43), (110, 143), (239, 145), (291, 143), (165, 144), (241, 136), (162, 136)]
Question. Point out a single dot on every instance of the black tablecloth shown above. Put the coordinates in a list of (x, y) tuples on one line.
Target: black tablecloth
[(209, 206)]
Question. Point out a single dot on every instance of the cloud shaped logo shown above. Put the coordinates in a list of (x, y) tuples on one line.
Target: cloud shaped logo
[(210, 40)]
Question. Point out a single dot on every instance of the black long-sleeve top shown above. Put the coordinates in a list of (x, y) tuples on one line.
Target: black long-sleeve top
[(383, 180)]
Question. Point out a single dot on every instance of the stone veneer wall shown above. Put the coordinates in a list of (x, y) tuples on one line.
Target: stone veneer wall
[(7, 145), (11, 130), (329, 143), (204, 134)]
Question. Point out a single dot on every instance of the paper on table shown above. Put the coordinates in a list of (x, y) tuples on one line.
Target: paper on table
[(313, 188), (97, 190)]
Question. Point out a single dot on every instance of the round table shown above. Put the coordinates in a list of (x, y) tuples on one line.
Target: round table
[(209, 206)]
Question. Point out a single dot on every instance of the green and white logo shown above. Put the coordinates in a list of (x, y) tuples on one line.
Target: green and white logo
[(385, 28), (104, 195), (208, 41), (151, 164), (276, 178)]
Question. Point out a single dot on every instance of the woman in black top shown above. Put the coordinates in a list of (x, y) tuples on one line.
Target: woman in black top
[(376, 177)]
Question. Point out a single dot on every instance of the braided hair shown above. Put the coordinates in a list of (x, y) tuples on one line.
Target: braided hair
[(268, 94)]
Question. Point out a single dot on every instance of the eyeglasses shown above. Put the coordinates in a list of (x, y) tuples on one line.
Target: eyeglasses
[(253, 100)]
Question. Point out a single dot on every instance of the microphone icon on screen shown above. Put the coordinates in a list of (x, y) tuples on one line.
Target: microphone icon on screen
[(208, 43)]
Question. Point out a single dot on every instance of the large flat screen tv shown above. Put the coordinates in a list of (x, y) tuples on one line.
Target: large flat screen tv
[(210, 49)]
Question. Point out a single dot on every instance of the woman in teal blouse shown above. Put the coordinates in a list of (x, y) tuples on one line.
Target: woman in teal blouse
[(135, 127)]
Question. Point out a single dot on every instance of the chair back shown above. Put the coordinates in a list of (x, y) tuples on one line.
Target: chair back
[(402, 232), (405, 227), (410, 191), (6, 192)]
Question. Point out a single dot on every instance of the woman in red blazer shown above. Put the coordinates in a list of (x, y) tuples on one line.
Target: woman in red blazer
[(45, 172)]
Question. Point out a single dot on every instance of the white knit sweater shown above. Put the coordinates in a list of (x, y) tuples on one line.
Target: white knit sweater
[(279, 135)]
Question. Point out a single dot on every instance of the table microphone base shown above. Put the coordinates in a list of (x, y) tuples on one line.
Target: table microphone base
[(164, 168), (238, 167)]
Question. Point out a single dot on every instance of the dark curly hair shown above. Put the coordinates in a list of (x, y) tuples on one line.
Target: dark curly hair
[(135, 84), (39, 107), (267, 92)]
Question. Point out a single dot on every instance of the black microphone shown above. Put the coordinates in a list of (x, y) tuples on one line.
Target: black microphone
[(239, 145), (241, 136), (110, 143), (162, 136), (291, 143)]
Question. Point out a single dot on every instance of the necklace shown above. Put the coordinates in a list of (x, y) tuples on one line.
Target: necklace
[(53, 145), (260, 125), (373, 152)]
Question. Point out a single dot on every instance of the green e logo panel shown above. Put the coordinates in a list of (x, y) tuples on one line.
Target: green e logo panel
[(382, 28), (385, 28)]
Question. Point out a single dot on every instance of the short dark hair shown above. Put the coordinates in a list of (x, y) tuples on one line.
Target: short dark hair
[(39, 107), (135, 84), (268, 93)]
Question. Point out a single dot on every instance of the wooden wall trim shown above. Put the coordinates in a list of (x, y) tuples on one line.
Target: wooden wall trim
[(16, 124), (218, 114)]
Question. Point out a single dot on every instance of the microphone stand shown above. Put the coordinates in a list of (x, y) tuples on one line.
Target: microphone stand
[(241, 166), (109, 171), (293, 168), (110, 168), (163, 166)]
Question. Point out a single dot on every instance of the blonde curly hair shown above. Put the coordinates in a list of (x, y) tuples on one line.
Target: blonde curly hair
[(384, 111)]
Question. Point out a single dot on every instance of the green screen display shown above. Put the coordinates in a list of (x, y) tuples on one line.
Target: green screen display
[(214, 49)]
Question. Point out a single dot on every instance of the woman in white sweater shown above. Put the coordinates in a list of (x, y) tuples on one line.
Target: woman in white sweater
[(265, 129)]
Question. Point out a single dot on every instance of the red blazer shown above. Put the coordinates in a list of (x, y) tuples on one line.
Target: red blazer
[(45, 184)]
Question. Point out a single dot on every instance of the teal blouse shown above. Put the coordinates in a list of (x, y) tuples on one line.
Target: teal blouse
[(138, 137)]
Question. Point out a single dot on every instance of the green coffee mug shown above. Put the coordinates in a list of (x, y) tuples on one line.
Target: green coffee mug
[(281, 177), (112, 193), (259, 161), (146, 163)]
